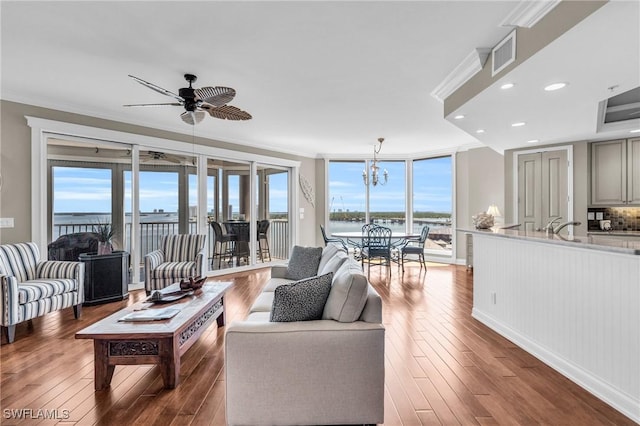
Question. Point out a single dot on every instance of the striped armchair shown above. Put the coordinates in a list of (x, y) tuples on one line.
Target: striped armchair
[(180, 256), (32, 287)]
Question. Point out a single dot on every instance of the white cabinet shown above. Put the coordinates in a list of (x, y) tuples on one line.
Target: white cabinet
[(633, 171), (615, 172)]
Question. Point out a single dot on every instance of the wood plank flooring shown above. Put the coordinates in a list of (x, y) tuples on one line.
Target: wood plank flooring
[(442, 367)]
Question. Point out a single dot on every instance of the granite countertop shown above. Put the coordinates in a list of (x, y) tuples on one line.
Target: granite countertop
[(615, 233), (581, 241)]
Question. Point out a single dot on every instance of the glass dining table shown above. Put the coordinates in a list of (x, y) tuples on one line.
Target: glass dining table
[(354, 239)]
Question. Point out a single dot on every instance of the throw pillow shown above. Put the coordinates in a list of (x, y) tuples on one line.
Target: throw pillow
[(304, 262), (348, 294), (301, 301)]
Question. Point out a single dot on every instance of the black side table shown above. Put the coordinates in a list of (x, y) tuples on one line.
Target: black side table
[(105, 277)]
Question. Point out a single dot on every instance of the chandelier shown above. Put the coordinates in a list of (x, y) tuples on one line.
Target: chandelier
[(374, 175)]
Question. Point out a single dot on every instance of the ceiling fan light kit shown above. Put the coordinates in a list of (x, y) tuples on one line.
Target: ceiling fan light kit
[(197, 102)]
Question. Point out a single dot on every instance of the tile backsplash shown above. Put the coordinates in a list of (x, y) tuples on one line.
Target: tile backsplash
[(622, 218)]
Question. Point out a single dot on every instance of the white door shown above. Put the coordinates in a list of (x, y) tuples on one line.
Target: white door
[(542, 188)]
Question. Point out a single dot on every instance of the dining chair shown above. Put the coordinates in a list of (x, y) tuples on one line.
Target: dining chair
[(357, 245), (241, 247), (332, 240), (223, 244), (376, 248), (263, 241), (414, 246)]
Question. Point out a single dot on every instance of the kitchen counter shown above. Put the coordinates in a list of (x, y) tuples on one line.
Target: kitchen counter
[(584, 242), (572, 303), (615, 233)]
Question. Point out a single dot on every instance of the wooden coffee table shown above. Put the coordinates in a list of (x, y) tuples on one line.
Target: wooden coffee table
[(160, 342)]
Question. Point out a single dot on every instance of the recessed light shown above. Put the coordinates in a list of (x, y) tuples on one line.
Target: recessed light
[(634, 131), (507, 86), (555, 86), (480, 131), (518, 124), (533, 141), (459, 117)]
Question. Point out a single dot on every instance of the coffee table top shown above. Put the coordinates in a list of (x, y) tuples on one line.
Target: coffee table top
[(189, 306)]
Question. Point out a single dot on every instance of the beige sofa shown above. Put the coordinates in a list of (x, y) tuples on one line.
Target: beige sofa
[(319, 372)]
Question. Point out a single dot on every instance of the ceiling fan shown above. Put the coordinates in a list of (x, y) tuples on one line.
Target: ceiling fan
[(157, 157), (198, 101)]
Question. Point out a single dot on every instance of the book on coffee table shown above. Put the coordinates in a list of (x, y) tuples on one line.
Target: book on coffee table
[(150, 315)]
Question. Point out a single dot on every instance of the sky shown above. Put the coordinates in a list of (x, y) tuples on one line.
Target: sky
[(86, 190), (432, 186)]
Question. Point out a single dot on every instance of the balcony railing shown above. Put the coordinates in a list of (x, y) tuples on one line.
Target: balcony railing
[(151, 232)]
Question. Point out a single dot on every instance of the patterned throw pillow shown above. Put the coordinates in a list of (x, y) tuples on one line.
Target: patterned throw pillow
[(304, 262), (301, 301)]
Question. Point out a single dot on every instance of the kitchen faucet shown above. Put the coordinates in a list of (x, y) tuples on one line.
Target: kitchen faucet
[(564, 225), (549, 227), (551, 230)]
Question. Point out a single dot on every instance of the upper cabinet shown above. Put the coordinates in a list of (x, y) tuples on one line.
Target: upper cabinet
[(615, 172)]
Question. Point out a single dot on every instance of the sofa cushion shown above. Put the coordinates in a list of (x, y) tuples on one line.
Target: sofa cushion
[(333, 263), (304, 262), (301, 301), (275, 282), (348, 293), (263, 302), (327, 254)]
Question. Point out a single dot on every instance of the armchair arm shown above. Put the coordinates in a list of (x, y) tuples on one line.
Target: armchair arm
[(151, 262), (8, 300), (201, 260), (153, 259)]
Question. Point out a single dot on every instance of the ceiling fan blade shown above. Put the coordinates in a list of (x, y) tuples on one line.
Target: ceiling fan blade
[(216, 96), (227, 112), (192, 117), (153, 105), (157, 88)]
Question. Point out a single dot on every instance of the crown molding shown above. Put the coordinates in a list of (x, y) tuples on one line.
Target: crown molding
[(527, 13), (469, 67)]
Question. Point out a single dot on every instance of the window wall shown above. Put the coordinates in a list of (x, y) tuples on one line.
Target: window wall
[(109, 180), (433, 202), (387, 201), (417, 193), (346, 197)]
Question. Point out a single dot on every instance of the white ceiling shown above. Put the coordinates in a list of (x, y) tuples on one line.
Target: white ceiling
[(319, 78)]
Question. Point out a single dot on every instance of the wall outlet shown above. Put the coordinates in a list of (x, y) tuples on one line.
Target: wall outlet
[(591, 216), (599, 216), (6, 222)]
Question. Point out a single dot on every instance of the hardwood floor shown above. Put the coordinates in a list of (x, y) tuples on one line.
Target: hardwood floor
[(442, 367)]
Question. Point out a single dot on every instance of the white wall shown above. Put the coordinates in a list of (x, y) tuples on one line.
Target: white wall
[(480, 182)]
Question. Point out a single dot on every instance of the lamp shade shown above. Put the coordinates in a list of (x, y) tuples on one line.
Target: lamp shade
[(493, 210)]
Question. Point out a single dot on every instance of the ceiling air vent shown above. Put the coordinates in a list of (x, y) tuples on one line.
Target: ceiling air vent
[(503, 54)]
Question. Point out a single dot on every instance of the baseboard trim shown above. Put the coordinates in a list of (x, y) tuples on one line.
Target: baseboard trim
[(622, 402)]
